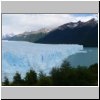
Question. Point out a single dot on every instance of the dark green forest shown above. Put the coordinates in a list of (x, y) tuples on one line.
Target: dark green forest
[(65, 75)]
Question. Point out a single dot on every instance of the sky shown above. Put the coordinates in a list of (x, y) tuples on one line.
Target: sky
[(19, 23)]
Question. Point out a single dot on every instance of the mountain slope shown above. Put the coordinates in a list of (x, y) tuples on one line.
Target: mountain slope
[(30, 36), (85, 33), (7, 36)]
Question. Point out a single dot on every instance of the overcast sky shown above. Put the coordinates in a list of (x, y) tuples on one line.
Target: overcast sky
[(19, 23)]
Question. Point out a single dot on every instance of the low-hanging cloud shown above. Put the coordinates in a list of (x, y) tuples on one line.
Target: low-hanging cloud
[(19, 23)]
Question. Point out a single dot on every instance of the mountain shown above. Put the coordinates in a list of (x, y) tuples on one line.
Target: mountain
[(84, 33), (30, 36), (7, 36)]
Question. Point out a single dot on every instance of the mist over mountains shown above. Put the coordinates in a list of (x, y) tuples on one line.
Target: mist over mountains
[(28, 36), (84, 33)]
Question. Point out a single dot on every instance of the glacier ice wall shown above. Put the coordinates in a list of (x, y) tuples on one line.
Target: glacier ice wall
[(21, 56)]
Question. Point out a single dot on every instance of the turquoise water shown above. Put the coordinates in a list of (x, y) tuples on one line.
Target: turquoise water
[(84, 59)]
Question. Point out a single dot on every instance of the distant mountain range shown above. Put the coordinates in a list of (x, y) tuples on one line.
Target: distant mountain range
[(7, 36), (84, 33), (29, 36)]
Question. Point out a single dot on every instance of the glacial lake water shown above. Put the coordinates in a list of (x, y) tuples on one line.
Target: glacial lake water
[(84, 59)]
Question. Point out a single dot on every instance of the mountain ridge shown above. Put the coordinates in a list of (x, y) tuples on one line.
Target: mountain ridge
[(84, 33)]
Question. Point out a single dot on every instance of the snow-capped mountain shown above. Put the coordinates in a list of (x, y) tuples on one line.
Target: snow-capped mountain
[(78, 24), (31, 36), (7, 36)]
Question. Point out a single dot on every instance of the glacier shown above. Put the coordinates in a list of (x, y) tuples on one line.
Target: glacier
[(20, 56)]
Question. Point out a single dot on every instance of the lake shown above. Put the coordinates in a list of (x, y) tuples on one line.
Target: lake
[(84, 59)]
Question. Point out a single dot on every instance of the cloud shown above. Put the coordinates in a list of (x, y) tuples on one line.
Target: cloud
[(19, 23)]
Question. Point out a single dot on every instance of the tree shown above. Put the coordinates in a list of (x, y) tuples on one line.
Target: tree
[(44, 80), (60, 76), (65, 64), (94, 71), (6, 81), (94, 68), (55, 76), (17, 79), (31, 78)]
